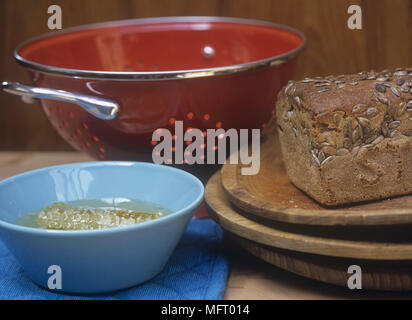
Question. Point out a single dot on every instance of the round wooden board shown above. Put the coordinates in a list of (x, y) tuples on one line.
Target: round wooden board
[(375, 275), (231, 220), (269, 194)]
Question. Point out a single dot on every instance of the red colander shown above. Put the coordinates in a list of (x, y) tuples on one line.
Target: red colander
[(107, 87)]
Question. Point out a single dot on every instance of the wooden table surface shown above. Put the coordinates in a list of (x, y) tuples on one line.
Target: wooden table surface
[(249, 277)]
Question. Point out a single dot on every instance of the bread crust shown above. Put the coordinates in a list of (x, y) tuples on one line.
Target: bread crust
[(348, 138)]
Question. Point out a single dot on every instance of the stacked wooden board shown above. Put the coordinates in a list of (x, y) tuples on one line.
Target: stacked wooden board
[(269, 217)]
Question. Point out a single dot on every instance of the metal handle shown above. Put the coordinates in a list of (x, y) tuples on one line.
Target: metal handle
[(99, 107)]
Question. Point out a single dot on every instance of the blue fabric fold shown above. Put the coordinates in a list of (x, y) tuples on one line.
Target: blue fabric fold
[(197, 270)]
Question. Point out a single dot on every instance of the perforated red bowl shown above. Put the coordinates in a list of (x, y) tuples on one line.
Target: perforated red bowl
[(107, 87)]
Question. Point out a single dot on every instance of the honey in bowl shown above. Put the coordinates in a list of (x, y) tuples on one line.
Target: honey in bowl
[(92, 214)]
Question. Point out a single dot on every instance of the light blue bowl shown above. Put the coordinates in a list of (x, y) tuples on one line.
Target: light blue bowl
[(98, 260)]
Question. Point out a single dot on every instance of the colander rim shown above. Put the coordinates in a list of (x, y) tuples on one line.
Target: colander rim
[(160, 75)]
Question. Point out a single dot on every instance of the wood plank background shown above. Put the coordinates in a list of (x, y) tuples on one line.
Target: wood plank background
[(384, 42)]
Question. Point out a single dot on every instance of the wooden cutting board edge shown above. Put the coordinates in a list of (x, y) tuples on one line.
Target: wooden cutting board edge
[(221, 210), (240, 197), (374, 277)]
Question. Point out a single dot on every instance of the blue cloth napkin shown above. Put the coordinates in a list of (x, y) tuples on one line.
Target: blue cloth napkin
[(197, 270)]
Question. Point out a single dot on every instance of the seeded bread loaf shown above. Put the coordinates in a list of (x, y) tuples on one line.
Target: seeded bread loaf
[(348, 138)]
